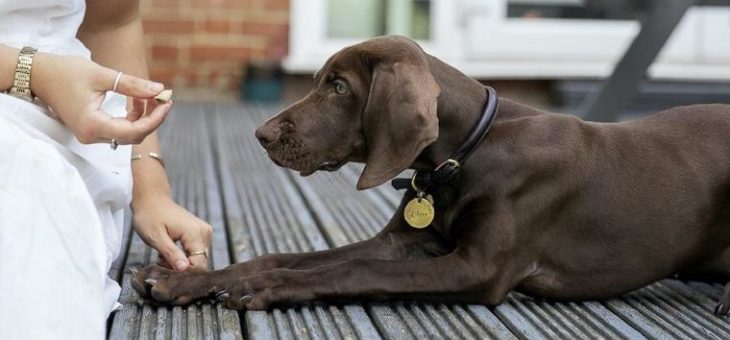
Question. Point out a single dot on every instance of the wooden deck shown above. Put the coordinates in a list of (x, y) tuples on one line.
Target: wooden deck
[(218, 170)]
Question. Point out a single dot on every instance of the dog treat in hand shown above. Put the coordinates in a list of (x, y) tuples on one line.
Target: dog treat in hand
[(164, 96)]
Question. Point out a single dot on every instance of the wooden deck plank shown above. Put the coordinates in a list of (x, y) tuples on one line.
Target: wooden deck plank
[(670, 309)]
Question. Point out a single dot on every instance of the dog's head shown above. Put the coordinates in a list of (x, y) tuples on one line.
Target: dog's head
[(374, 102)]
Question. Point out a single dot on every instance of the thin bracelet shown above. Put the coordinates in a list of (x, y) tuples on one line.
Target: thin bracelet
[(154, 155)]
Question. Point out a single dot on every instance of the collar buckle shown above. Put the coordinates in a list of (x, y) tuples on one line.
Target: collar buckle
[(448, 169)]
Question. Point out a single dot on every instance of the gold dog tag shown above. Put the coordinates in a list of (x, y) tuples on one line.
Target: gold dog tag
[(419, 212)]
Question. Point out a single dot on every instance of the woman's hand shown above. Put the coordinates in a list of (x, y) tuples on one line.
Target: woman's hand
[(75, 88), (161, 222)]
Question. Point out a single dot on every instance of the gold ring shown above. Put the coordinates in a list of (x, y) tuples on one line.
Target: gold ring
[(199, 252), (116, 81)]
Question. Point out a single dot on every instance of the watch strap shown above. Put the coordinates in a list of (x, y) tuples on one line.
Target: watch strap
[(21, 83)]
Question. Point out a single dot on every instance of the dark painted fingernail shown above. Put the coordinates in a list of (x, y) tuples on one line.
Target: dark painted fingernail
[(246, 298), (151, 282)]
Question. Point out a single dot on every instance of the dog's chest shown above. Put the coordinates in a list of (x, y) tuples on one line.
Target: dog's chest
[(446, 209)]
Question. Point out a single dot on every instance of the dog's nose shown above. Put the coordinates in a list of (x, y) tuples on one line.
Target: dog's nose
[(266, 135)]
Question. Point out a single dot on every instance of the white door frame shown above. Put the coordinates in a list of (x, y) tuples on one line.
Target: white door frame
[(477, 37), (309, 45)]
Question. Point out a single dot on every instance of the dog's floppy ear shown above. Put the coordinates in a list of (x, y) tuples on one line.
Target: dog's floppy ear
[(399, 119)]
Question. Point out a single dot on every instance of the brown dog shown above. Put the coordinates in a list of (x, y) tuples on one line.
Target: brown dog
[(547, 204)]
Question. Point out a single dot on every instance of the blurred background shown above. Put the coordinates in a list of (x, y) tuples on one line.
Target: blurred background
[(548, 53)]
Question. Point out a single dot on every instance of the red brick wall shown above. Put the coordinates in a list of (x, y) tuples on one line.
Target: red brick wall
[(207, 43)]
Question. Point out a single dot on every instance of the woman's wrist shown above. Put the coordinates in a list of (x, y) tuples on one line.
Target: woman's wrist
[(8, 60), (142, 200), (39, 77), (150, 183)]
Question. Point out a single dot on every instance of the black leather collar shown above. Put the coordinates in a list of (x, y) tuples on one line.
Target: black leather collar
[(446, 171)]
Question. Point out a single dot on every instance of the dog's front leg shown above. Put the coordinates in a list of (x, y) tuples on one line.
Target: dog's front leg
[(390, 244), (193, 285), (395, 242), (451, 277)]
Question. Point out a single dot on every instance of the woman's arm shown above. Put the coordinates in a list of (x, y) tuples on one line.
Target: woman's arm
[(8, 58), (75, 88), (112, 30)]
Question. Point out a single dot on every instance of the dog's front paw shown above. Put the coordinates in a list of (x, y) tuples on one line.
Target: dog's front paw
[(171, 287), (227, 286)]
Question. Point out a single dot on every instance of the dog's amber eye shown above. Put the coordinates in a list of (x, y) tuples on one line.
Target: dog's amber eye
[(340, 87)]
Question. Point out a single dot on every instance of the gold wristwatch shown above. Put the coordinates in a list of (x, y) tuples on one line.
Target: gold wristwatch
[(21, 84)]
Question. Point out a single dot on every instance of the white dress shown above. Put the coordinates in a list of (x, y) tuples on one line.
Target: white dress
[(61, 202)]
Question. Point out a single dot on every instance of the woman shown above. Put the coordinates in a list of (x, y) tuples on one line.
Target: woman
[(66, 171)]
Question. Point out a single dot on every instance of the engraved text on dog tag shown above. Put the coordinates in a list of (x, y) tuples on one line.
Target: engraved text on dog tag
[(419, 212)]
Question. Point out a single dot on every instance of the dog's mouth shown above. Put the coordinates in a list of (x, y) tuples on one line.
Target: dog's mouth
[(295, 155), (331, 165), (276, 161), (304, 166)]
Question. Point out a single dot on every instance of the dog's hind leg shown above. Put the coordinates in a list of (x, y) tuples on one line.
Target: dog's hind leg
[(721, 266), (715, 269), (723, 306)]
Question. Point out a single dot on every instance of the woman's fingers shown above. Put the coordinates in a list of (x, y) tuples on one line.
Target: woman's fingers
[(138, 109), (152, 104), (132, 86), (171, 253), (163, 263), (158, 238), (122, 130), (196, 242), (198, 262)]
